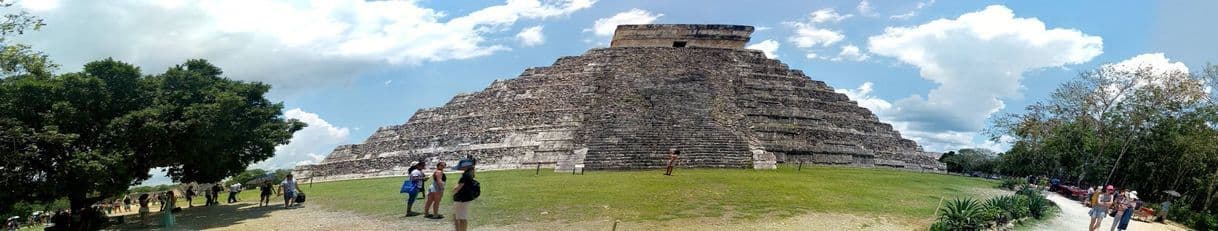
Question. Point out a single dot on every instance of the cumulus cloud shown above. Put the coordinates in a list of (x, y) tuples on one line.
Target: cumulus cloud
[(605, 26), (289, 44), (931, 141), (863, 96), (810, 33), (1158, 63), (769, 47), (309, 145), (531, 36), (977, 60), (851, 53), (827, 15)]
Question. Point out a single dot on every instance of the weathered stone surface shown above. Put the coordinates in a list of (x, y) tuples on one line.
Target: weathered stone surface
[(624, 107)]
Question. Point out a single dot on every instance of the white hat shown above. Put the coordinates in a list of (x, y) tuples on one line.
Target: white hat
[(1133, 194), (413, 163)]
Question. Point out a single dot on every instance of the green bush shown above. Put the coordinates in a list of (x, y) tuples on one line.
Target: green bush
[(1038, 206), (1007, 208), (963, 214), (1012, 183)]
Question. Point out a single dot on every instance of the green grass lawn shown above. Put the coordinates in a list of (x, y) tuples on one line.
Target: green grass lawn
[(517, 196)]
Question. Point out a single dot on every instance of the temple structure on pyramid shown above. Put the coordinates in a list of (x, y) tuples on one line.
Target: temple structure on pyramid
[(657, 87)]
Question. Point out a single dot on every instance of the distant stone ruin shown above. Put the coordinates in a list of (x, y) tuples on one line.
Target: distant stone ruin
[(657, 87)]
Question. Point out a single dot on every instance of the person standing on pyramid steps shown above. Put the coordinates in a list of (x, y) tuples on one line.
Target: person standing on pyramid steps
[(672, 160)]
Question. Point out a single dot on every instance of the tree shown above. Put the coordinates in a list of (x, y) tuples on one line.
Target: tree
[(16, 58), (246, 176), (1140, 128), (90, 135)]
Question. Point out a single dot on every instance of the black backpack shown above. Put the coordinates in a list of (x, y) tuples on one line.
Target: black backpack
[(474, 190)]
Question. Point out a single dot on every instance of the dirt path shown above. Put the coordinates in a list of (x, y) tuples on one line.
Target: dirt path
[(1074, 217), (248, 216)]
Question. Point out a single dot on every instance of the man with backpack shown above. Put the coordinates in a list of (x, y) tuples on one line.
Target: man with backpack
[(464, 193)]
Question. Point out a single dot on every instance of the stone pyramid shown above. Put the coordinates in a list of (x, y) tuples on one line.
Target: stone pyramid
[(657, 87)]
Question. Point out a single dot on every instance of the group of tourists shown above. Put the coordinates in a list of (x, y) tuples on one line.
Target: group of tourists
[(465, 191), (1108, 201)]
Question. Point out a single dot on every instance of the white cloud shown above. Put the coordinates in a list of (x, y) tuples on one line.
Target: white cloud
[(807, 36), (1159, 68), (827, 15), (291, 45), (769, 47), (531, 36), (1157, 63), (865, 9), (851, 53), (863, 96), (387, 82), (309, 145), (605, 26), (930, 141), (977, 60), (810, 33), (914, 11)]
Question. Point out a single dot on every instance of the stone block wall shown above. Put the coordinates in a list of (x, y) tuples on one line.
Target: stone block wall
[(687, 35)]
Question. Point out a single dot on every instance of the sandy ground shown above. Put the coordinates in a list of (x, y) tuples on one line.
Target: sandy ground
[(1074, 217)]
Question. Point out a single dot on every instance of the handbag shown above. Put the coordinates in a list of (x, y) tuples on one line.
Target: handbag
[(409, 187)]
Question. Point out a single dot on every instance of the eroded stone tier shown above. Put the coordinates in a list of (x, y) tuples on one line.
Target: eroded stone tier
[(624, 107)]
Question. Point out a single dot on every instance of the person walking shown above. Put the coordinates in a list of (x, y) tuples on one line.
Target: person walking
[(143, 199), (190, 194), (289, 189), (672, 160), (1100, 208), (167, 219), (415, 177), (265, 196), (1131, 204), (435, 191), (1120, 203), (232, 192), (466, 191)]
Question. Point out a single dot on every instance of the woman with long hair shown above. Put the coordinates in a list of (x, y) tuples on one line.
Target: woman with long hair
[(435, 191)]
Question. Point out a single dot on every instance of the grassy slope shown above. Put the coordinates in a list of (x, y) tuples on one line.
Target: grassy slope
[(517, 196)]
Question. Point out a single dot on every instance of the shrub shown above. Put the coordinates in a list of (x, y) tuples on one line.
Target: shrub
[(1007, 208), (1038, 205), (1012, 183), (963, 214)]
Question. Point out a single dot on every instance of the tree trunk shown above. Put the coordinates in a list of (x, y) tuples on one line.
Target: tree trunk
[(1117, 164), (1209, 191)]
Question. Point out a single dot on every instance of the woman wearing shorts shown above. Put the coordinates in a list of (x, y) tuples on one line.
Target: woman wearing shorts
[(435, 191)]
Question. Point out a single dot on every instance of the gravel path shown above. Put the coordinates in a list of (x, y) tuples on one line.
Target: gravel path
[(1074, 217)]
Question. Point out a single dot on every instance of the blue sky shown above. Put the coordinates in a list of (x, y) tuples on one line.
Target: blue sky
[(935, 69)]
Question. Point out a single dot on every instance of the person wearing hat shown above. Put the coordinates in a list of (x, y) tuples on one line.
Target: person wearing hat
[(416, 177), (1100, 208), (1131, 199), (466, 191)]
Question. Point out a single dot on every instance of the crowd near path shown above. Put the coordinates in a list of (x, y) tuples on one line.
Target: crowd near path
[(1073, 216)]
